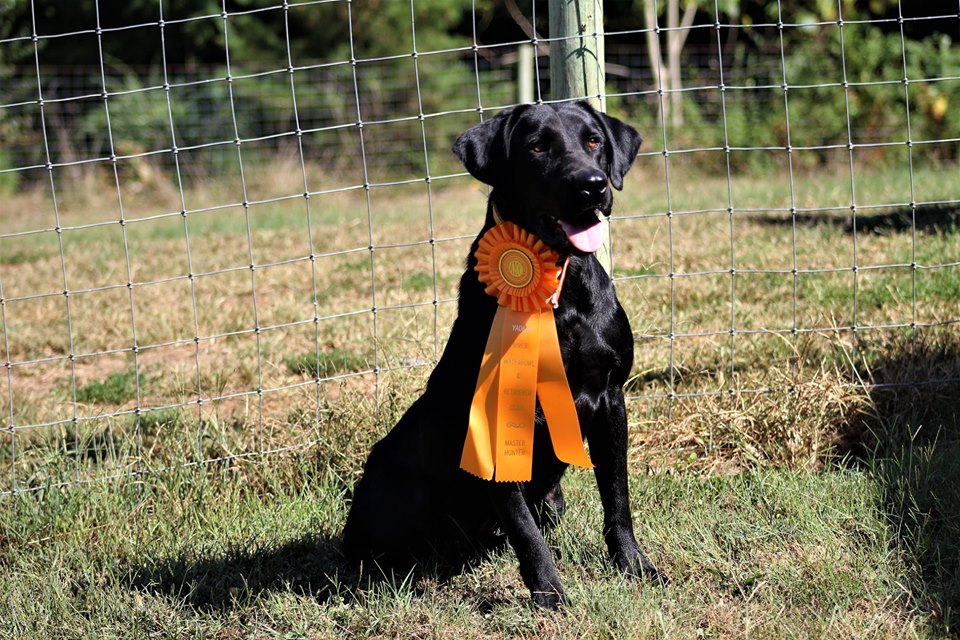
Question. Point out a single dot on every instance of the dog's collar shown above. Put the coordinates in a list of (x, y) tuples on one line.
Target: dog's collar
[(497, 218)]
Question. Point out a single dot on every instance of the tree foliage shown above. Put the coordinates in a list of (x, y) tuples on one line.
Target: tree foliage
[(259, 35)]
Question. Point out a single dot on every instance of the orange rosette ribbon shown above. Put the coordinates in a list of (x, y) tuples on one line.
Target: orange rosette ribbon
[(521, 362)]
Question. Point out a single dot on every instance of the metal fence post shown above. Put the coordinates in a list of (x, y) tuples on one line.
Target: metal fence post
[(576, 65)]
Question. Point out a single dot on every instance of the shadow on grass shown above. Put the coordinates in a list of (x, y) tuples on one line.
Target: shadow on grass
[(312, 566), (910, 441), (680, 375), (939, 218)]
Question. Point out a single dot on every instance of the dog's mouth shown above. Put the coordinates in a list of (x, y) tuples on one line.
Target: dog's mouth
[(586, 234)]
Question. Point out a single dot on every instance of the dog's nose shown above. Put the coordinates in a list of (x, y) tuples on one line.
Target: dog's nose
[(593, 185)]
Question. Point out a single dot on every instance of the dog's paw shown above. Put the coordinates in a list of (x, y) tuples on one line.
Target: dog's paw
[(636, 565), (552, 599), (654, 575)]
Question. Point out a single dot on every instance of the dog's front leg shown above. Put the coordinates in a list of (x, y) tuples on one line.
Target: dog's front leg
[(536, 562), (608, 451)]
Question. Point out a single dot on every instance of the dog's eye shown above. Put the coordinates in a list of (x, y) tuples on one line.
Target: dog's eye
[(593, 142), (538, 147)]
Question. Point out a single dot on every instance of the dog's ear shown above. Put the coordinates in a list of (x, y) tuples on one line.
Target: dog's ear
[(623, 144), (483, 149)]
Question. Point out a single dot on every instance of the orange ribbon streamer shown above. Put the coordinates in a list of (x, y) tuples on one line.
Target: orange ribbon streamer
[(521, 362)]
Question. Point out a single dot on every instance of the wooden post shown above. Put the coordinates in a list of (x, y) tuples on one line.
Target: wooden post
[(576, 65), (525, 73)]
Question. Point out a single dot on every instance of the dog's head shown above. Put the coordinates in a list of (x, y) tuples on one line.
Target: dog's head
[(550, 167)]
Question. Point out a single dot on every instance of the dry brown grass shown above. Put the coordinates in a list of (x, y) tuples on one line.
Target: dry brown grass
[(796, 421)]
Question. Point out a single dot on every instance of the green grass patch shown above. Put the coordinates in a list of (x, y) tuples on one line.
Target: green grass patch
[(28, 252), (325, 364), (152, 422), (419, 281), (362, 264), (116, 388), (892, 287)]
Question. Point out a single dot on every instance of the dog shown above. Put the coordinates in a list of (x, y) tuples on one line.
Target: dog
[(550, 168)]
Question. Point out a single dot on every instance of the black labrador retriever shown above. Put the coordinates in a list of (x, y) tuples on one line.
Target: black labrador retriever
[(549, 166)]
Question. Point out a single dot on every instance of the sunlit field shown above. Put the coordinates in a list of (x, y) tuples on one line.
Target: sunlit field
[(792, 408)]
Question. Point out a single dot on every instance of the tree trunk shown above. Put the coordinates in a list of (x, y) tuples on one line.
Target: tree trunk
[(673, 62), (653, 53), (679, 29)]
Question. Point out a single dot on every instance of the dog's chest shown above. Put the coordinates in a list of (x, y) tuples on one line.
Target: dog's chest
[(589, 345)]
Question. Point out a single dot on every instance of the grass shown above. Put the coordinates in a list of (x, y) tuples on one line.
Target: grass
[(792, 484), (420, 280), (116, 388), (250, 550), (325, 364)]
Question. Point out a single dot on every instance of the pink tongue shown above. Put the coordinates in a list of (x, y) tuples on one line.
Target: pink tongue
[(587, 240)]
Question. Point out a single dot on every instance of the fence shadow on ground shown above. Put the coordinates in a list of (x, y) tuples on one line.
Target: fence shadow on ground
[(939, 218), (910, 442)]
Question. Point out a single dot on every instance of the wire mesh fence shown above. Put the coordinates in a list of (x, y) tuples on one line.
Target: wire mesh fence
[(199, 259)]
